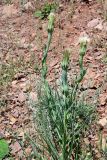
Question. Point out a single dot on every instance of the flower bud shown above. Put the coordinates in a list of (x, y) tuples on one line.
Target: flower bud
[(65, 61), (83, 45), (84, 40), (51, 22)]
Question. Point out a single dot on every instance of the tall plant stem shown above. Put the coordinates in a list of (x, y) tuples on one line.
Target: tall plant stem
[(46, 48)]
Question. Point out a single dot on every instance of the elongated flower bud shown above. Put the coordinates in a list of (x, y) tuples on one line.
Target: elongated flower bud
[(51, 22), (65, 61), (83, 45)]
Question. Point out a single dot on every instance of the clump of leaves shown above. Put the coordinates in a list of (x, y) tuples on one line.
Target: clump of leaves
[(46, 10), (61, 119), (104, 59), (7, 1), (7, 72), (4, 148)]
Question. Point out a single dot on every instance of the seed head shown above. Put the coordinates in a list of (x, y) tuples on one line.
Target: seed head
[(51, 22)]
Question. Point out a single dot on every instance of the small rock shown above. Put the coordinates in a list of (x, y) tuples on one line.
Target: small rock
[(19, 76), (99, 26), (21, 97), (22, 43), (90, 74), (2, 135), (93, 23), (15, 147), (105, 26), (15, 127), (14, 83), (7, 134), (106, 111), (57, 66), (28, 6), (12, 120), (103, 98), (20, 154), (53, 63), (22, 85), (51, 79), (21, 134), (15, 114), (33, 96), (23, 80), (28, 150), (103, 122)]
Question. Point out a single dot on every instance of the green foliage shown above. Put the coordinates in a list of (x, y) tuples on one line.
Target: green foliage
[(46, 10), (104, 59), (102, 146), (11, 67), (61, 119), (7, 1), (4, 148), (7, 71)]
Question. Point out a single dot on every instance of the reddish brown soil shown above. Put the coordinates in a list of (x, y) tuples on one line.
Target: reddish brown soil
[(21, 34)]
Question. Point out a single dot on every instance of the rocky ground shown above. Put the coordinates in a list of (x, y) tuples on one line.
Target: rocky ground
[(22, 38)]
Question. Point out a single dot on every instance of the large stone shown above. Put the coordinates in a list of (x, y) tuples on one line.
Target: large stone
[(93, 23), (9, 10)]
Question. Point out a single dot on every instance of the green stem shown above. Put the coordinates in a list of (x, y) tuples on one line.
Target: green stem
[(64, 79), (46, 49), (64, 137)]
